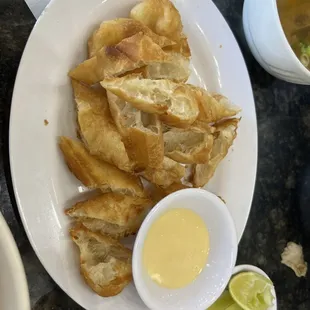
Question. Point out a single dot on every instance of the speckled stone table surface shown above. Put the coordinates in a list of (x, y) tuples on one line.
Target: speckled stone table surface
[(281, 204)]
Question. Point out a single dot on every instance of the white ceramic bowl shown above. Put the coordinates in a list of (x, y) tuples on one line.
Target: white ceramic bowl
[(245, 268), (267, 41), (213, 279), (13, 285)]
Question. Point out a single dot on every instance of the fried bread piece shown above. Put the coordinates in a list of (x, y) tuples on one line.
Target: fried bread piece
[(224, 137), (141, 132), (112, 32), (97, 128), (158, 193), (111, 214), (176, 68), (95, 173), (212, 106), (171, 172), (162, 17), (105, 263), (188, 146), (131, 53), (181, 47), (175, 103)]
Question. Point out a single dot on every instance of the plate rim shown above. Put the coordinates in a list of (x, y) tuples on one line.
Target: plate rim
[(19, 276), (13, 173)]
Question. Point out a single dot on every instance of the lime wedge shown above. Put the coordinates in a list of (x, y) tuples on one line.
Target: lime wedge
[(223, 302), (251, 291)]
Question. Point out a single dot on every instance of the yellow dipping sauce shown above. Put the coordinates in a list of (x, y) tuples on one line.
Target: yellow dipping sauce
[(176, 248)]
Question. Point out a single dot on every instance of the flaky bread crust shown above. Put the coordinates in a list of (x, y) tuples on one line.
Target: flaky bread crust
[(213, 107), (112, 214), (95, 173), (174, 102), (162, 17), (175, 68), (224, 136), (130, 54), (188, 146), (105, 264), (112, 32), (171, 172), (96, 127), (141, 132)]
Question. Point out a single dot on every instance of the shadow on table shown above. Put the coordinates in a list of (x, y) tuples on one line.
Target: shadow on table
[(56, 300)]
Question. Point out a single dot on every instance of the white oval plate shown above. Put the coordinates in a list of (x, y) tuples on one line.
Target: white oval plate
[(13, 283), (42, 183)]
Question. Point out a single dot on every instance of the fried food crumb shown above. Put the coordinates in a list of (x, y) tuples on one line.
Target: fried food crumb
[(293, 257), (46, 122), (221, 46)]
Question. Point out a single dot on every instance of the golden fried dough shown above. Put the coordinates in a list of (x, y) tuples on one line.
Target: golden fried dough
[(212, 106), (175, 68), (112, 32), (131, 53), (104, 262), (160, 16), (224, 136), (95, 173), (97, 128), (175, 103), (141, 132), (171, 172), (111, 214), (163, 18), (188, 146), (181, 47)]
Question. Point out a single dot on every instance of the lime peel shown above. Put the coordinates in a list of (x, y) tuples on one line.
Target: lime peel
[(251, 291), (224, 301)]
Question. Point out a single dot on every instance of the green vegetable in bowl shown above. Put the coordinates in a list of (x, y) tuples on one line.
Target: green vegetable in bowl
[(304, 54), (304, 48)]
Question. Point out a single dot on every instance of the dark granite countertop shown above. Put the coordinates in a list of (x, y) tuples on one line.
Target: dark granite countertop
[(281, 205)]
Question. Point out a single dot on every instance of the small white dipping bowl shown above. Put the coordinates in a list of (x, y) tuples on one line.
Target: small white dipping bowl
[(268, 43), (213, 279)]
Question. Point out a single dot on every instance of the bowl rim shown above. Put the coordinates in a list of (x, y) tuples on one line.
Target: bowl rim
[(284, 38), (162, 204), (248, 268)]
